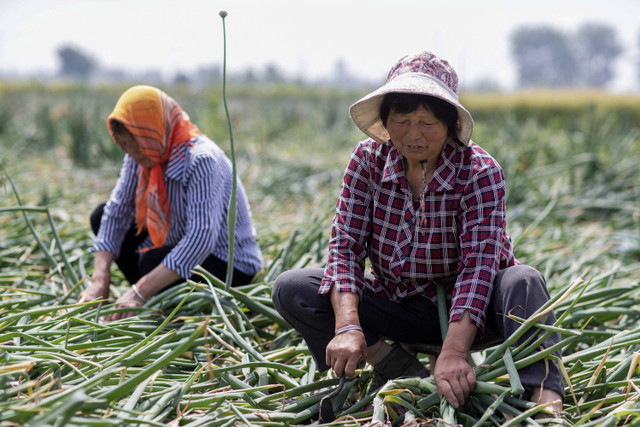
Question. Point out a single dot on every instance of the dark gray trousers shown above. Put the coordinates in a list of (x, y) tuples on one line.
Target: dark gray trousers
[(519, 290)]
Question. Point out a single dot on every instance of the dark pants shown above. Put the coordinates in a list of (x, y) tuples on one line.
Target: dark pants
[(134, 264), (519, 290)]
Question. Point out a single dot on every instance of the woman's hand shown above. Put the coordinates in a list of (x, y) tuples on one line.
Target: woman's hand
[(345, 351), (97, 289), (128, 300), (148, 285), (100, 279), (454, 377)]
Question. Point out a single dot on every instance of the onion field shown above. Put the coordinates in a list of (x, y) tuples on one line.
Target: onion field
[(198, 355)]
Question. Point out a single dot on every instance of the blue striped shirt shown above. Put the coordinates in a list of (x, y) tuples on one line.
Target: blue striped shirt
[(198, 180)]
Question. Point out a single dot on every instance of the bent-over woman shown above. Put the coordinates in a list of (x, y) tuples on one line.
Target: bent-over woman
[(168, 210)]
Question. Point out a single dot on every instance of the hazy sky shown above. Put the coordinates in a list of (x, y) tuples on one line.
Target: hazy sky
[(303, 37)]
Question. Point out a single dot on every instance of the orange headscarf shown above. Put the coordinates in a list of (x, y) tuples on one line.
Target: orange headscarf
[(158, 124)]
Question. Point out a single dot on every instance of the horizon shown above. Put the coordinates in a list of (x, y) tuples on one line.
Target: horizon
[(304, 39)]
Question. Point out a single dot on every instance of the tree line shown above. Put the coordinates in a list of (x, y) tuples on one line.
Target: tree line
[(544, 57), (547, 57)]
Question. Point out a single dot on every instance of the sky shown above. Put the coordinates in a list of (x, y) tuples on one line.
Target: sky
[(303, 38)]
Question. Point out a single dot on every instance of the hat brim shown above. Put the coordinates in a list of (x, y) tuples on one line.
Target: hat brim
[(365, 113)]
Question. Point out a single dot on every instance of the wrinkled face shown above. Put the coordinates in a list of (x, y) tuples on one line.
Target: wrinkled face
[(418, 135), (128, 144)]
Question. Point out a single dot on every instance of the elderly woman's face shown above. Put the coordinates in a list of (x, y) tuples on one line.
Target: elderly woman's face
[(418, 135), (129, 145)]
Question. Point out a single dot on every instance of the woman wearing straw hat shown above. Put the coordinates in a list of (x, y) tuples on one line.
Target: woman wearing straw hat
[(168, 210), (426, 206)]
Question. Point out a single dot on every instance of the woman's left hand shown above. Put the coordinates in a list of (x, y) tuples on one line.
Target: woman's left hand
[(454, 377), (453, 374), (128, 300), (148, 285)]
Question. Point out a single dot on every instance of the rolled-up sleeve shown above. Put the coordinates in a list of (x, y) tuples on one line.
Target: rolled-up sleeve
[(205, 212), (351, 228), (119, 211), (482, 232)]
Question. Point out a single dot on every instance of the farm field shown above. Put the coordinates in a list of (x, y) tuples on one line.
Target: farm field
[(198, 355)]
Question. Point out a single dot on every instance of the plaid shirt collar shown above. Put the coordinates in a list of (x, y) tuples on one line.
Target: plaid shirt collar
[(444, 177)]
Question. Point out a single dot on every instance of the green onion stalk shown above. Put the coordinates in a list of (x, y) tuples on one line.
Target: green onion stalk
[(231, 214)]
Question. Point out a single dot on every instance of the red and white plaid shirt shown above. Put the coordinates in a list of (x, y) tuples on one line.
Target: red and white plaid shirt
[(459, 232)]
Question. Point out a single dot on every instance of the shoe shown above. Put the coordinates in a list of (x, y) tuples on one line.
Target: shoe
[(398, 363)]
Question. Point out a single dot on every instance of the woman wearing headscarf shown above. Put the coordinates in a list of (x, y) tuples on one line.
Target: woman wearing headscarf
[(426, 206), (168, 210)]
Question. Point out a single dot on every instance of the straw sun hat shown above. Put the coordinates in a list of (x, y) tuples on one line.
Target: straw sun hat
[(420, 74)]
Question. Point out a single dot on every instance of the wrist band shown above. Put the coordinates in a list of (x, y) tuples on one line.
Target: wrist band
[(135, 290), (348, 328)]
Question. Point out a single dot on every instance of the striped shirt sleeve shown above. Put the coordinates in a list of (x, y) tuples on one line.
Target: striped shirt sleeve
[(119, 211), (483, 222), (350, 229)]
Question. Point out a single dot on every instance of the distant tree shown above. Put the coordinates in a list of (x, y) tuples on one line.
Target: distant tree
[(341, 71), (272, 74), (152, 76), (543, 57), (74, 63), (250, 76), (114, 74), (209, 74), (342, 77), (596, 48), (180, 78)]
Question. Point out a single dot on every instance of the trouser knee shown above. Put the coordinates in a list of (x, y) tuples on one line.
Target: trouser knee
[(295, 292), (282, 291), (295, 296), (520, 290)]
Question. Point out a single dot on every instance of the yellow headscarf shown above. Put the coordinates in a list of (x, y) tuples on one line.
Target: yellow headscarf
[(158, 124)]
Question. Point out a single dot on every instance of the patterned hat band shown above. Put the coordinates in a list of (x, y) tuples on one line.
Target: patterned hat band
[(426, 63)]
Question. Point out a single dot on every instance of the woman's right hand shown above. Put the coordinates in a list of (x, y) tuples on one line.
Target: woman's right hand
[(98, 289), (345, 351), (101, 279)]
